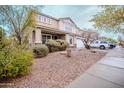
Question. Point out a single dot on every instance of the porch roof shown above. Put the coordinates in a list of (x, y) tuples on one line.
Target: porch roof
[(54, 30)]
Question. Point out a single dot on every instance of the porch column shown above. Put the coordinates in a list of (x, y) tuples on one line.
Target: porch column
[(75, 40), (67, 38), (38, 37)]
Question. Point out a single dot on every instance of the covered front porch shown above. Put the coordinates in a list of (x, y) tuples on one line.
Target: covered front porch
[(47, 34), (41, 35)]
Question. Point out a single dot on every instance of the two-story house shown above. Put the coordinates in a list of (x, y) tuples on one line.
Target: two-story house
[(49, 27)]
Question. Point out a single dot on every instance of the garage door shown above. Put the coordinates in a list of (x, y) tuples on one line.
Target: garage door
[(79, 44)]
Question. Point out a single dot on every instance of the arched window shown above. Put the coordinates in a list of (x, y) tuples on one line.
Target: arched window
[(70, 40), (33, 36)]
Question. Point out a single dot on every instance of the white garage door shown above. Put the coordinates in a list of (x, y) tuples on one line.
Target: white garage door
[(79, 44)]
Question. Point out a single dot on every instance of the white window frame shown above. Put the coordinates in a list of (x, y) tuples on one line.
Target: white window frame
[(41, 19), (45, 19)]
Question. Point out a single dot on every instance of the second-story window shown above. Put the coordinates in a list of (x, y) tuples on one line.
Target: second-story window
[(45, 19), (41, 18)]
